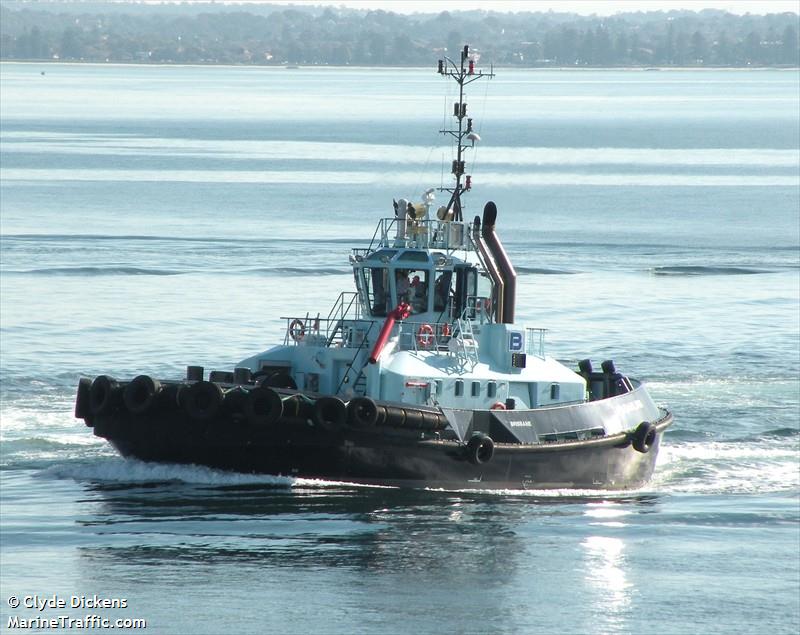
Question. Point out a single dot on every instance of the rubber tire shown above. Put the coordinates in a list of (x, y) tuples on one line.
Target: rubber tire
[(362, 412), (263, 406), (644, 437), (140, 394), (202, 400), (480, 449), (83, 401), (103, 395), (235, 400), (329, 413)]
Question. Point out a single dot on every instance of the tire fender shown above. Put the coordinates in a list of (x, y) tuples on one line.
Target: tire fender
[(202, 400), (644, 437), (480, 449), (103, 395), (140, 394), (330, 413), (362, 412), (263, 406)]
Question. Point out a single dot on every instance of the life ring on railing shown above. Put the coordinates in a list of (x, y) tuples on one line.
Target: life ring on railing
[(297, 329), (425, 336), (446, 330), (498, 405)]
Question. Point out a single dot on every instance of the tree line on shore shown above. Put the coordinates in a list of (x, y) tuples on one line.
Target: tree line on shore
[(276, 35)]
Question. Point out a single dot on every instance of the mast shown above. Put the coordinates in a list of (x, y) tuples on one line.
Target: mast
[(463, 73)]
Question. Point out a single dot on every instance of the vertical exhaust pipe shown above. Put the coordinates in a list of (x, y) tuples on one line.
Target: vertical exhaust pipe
[(491, 267), (507, 273)]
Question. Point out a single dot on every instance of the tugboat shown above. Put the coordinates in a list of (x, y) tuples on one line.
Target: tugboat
[(419, 378)]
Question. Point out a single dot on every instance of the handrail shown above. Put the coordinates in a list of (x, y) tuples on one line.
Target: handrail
[(466, 348), (301, 329), (339, 304), (305, 329), (424, 233), (339, 313), (361, 346), (535, 342)]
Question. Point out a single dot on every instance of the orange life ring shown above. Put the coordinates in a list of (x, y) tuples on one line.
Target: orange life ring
[(445, 330), (498, 405), (425, 336), (297, 329)]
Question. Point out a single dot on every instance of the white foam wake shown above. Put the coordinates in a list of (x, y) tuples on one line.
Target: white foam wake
[(728, 468), (120, 470)]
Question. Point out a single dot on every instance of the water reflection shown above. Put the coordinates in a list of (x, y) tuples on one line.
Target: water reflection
[(340, 526), (360, 528), (375, 551), (605, 575)]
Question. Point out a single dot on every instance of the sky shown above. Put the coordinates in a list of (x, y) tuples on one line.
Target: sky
[(584, 7)]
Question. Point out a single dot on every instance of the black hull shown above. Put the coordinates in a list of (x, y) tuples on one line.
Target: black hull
[(380, 455)]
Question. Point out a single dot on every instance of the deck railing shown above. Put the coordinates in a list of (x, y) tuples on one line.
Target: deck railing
[(418, 234), (535, 342), (330, 332), (351, 333)]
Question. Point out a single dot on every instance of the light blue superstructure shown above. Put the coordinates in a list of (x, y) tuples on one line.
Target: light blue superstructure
[(450, 352)]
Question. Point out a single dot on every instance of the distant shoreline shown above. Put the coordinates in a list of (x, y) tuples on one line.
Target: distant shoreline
[(264, 35), (775, 67)]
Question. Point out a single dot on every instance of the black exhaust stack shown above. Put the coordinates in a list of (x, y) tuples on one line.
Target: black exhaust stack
[(507, 273), (491, 267)]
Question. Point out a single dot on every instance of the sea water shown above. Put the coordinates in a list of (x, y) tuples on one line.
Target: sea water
[(156, 217)]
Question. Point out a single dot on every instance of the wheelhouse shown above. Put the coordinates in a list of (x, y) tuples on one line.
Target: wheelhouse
[(430, 282)]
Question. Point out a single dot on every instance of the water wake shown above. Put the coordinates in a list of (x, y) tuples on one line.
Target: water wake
[(699, 270), (132, 471)]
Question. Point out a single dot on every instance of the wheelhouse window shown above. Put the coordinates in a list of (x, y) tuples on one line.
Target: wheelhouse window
[(473, 292), (485, 291), (466, 287), (442, 290), (375, 282), (411, 286)]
